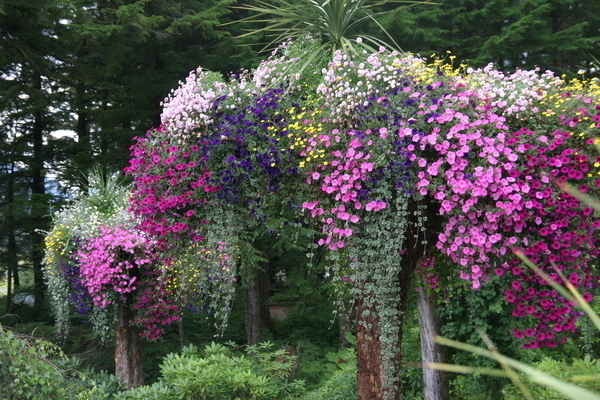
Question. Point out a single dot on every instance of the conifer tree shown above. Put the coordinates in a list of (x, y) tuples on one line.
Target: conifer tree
[(553, 35)]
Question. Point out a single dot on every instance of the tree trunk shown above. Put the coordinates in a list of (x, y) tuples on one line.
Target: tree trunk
[(8, 289), (128, 350), (435, 383), (345, 327), (256, 306), (84, 157), (11, 250), (39, 209), (264, 288), (181, 331), (369, 355), (252, 311), (368, 342)]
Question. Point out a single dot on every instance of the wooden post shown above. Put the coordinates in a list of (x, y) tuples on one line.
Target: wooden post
[(435, 383)]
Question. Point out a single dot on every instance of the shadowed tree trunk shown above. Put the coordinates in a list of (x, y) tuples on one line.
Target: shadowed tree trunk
[(256, 305), (252, 311), (435, 382), (12, 271), (12, 262), (128, 350), (12, 247), (181, 331), (345, 327), (368, 338), (39, 210), (8, 288), (85, 156)]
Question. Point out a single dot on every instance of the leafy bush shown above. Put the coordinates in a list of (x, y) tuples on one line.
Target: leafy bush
[(342, 384), (219, 374), (36, 369)]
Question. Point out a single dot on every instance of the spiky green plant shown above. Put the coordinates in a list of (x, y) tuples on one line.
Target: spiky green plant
[(335, 23), (107, 192)]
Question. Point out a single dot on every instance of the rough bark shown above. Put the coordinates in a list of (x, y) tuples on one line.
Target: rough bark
[(181, 332), (128, 350), (11, 224), (11, 251), (369, 347), (84, 158), (252, 312), (264, 287), (8, 289), (256, 305), (435, 382)]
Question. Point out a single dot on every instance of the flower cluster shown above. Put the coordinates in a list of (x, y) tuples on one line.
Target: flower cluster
[(72, 226), (515, 93), (96, 258), (155, 304), (381, 137), (111, 263), (480, 147), (425, 271), (187, 111), (78, 294), (170, 185), (197, 102)]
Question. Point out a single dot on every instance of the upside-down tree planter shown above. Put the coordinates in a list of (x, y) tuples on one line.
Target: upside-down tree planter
[(377, 133), (391, 159), (99, 265)]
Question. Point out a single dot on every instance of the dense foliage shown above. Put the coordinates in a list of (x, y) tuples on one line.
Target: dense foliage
[(217, 373), (80, 78), (34, 369), (368, 149)]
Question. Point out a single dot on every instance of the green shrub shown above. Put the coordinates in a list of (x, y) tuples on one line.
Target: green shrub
[(219, 374), (341, 386), (36, 369)]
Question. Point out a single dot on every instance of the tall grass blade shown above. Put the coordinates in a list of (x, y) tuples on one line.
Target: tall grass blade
[(569, 390)]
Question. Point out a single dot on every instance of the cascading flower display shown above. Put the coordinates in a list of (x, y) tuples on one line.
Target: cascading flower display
[(106, 263), (480, 146), (384, 144), (222, 163), (96, 258)]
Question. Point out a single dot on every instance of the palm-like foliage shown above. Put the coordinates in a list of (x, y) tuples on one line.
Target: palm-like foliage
[(106, 192), (335, 22)]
